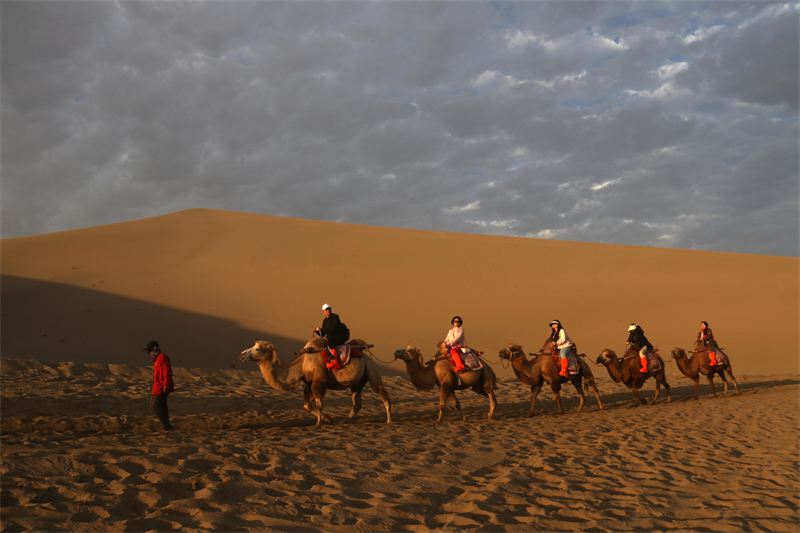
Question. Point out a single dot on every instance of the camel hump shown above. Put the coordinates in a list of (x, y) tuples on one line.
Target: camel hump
[(360, 344)]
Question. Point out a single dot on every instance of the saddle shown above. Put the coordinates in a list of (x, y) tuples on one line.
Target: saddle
[(341, 355), (572, 358), (470, 359), (653, 361)]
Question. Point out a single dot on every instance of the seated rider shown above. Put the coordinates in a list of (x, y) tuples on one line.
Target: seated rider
[(563, 343), (636, 336), (454, 341), (707, 336), (334, 332)]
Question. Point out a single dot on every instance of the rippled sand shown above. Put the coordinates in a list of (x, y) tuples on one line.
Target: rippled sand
[(80, 452)]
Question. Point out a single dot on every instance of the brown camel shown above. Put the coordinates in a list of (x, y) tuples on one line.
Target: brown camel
[(542, 368), (438, 372), (308, 369), (627, 371), (701, 364)]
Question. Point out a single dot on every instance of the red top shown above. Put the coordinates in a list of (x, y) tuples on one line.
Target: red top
[(162, 375)]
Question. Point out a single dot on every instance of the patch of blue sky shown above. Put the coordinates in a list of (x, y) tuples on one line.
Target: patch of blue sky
[(469, 90), (577, 104)]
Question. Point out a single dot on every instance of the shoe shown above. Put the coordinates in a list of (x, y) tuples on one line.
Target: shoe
[(644, 366)]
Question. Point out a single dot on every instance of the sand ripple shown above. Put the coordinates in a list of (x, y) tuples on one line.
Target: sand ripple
[(80, 452)]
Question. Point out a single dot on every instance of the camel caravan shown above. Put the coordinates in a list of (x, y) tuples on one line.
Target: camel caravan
[(332, 361)]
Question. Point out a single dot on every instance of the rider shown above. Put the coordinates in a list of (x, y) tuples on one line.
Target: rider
[(454, 341), (334, 331), (707, 336), (636, 335), (563, 343)]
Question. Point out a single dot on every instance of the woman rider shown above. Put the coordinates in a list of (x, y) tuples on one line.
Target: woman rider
[(563, 343), (707, 337), (454, 341)]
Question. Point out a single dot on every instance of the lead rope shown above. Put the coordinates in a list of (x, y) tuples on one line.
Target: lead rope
[(206, 380)]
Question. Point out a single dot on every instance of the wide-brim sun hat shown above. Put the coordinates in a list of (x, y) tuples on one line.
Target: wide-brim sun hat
[(554, 322)]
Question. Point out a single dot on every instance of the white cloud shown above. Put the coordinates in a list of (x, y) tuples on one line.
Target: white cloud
[(461, 209)]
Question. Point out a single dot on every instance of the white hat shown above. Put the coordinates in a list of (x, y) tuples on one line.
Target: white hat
[(632, 327), (325, 306)]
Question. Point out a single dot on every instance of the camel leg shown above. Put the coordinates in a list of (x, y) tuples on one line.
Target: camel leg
[(577, 384), (307, 397), (489, 388), (356, 403), (458, 406), (710, 378), (589, 382), (658, 388), (696, 388), (556, 387), (534, 393), (730, 373), (387, 402), (318, 391), (724, 383), (667, 387), (637, 400), (443, 394), (376, 383)]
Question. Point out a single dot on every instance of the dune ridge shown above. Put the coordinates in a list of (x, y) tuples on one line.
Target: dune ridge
[(209, 283)]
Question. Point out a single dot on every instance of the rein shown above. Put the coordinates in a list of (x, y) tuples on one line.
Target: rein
[(220, 373)]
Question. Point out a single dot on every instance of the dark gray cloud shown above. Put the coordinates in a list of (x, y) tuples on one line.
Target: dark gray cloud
[(649, 123)]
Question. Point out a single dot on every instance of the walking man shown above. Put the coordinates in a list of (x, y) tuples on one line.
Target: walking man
[(162, 383)]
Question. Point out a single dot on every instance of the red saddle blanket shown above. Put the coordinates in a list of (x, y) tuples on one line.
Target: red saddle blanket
[(343, 355)]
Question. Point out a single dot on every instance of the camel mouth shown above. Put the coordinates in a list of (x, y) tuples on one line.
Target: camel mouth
[(402, 354), (504, 354)]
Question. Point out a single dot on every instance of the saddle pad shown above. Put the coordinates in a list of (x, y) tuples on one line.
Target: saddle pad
[(471, 361), (653, 362)]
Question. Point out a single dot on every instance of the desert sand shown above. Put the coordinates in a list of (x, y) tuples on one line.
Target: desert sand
[(81, 452)]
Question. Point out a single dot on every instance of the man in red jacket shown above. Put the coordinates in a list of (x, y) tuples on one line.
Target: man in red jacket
[(162, 383)]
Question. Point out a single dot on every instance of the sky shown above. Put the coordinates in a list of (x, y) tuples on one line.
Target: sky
[(668, 124)]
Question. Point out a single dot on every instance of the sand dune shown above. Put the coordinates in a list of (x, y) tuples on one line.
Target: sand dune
[(207, 284), (81, 453)]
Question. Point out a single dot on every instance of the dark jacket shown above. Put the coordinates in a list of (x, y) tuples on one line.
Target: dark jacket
[(333, 330), (706, 336), (637, 336)]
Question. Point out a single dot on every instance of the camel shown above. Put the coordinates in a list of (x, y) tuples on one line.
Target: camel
[(701, 364), (438, 372), (542, 368), (308, 369), (627, 371)]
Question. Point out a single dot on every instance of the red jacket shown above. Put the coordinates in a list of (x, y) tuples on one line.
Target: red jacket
[(162, 375)]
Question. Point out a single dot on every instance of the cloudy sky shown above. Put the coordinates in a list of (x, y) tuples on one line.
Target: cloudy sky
[(671, 124)]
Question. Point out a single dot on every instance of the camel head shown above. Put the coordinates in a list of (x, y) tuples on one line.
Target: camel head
[(606, 356), (441, 347), (678, 353), (408, 355), (260, 351), (511, 351)]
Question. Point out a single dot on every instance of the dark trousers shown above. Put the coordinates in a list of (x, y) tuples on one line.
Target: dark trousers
[(161, 410)]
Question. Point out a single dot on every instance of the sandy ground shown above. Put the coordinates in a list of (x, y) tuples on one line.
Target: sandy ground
[(80, 452)]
